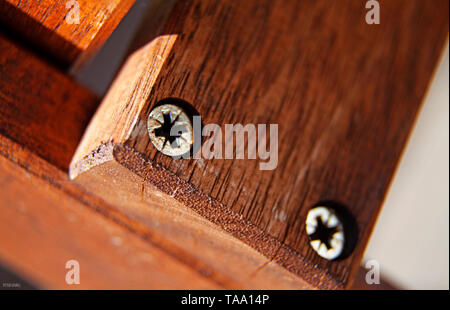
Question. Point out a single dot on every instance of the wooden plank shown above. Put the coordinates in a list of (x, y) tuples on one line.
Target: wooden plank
[(37, 188), (42, 227), (194, 235), (43, 116), (41, 108), (344, 93), (47, 25)]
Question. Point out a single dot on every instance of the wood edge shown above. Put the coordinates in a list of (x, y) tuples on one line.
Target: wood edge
[(109, 124), (58, 180), (102, 154), (233, 225), (218, 214), (32, 167), (102, 35), (68, 54)]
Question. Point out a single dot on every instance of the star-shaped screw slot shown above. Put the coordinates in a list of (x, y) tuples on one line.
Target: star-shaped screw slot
[(323, 233), (170, 130), (165, 128)]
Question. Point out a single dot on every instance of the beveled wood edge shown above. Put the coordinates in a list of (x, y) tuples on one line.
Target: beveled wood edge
[(212, 210)]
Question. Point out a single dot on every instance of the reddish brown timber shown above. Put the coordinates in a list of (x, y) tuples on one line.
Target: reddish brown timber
[(344, 93), (63, 29)]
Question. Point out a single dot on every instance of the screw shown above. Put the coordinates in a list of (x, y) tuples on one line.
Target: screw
[(326, 232), (170, 130)]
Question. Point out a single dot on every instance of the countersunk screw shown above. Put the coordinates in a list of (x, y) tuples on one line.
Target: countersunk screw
[(325, 230), (170, 130)]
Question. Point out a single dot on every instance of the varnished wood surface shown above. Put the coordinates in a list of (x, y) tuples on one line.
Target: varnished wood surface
[(46, 221), (199, 239), (360, 282), (43, 116), (42, 227), (44, 24), (40, 107), (344, 93)]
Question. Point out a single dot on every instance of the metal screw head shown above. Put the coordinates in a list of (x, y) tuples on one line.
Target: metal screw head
[(326, 232), (170, 130)]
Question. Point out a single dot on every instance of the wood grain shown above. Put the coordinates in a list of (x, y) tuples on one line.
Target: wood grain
[(44, 25), (344, 93), (43, 115), (193, 234), (46, 196), (40, 107), (42, 227)]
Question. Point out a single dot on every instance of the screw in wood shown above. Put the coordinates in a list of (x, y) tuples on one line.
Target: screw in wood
[(170, 130), (325, 230)]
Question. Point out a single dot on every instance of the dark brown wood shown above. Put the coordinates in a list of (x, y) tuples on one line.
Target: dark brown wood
[(360, 283), (43, 115), (344, 93), (44, 24)]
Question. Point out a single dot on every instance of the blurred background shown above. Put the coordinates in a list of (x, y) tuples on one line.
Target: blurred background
[(410, 240)]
